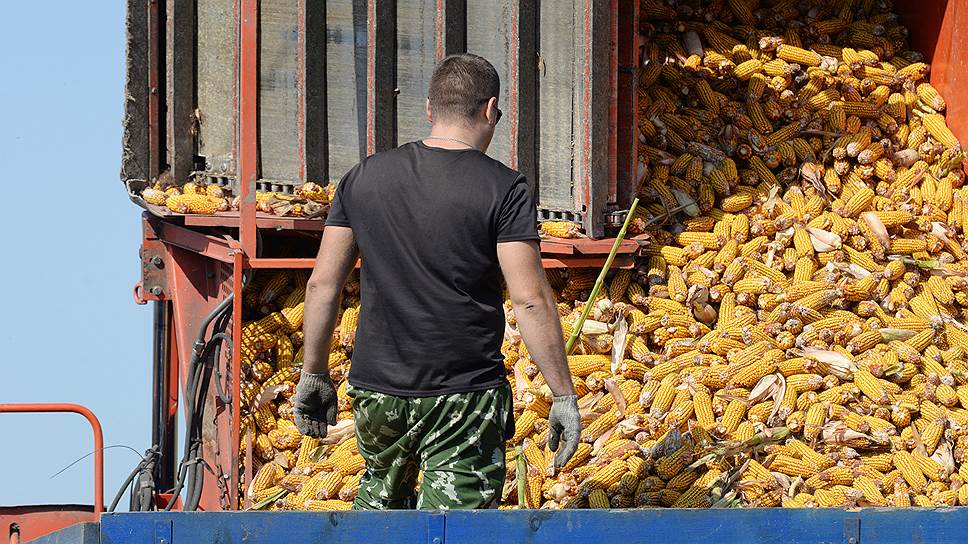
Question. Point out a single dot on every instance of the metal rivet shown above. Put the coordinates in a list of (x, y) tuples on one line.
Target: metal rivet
[(157, 260), (156, 290), (851, 540), (436, 540)]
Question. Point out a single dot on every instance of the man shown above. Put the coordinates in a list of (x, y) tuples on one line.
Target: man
[(435, 222)]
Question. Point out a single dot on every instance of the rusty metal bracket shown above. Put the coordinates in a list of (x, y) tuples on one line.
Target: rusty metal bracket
[(154, 274)]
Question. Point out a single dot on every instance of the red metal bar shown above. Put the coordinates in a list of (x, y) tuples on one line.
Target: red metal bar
[(95, 426), (220, 249), (262, 221), (171, 415), (236, 363), (439, 23), (248, 121), (620, 261), (281, 263)]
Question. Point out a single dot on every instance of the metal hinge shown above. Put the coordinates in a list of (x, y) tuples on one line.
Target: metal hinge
[(436, 528), (163, 532), (852, 531)]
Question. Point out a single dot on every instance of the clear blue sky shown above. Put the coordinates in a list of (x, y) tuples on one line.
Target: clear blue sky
[(69, 328)]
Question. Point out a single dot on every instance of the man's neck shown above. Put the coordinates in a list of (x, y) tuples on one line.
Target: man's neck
[(453, 137)]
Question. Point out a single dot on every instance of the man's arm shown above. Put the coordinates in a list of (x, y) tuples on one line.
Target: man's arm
[(314, 404), (334, 262), (534, 308), (537, 316)]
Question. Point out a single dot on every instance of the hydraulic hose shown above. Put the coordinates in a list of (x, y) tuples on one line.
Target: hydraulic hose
[(195, 407)]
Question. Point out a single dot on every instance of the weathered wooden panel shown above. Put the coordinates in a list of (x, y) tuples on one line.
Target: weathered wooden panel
[(314, 122), (134, 139), (556, 86), (180, 87), (217, 72), (345, 108), (524, 102), (278, 93), (488, 35), (416, 58), (340, 79), (381, 73), (591, 112)]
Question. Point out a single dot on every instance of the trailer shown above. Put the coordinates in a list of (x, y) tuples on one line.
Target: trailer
[(675, 526), (265, 95)]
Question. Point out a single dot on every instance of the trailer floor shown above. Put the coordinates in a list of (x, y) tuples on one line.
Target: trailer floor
[(662, 526)]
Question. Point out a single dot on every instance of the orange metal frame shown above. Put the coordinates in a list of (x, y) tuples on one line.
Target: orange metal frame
[(98, 438)]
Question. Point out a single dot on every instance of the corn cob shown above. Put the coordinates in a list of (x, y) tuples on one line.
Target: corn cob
[(560, 229), (727, 300)]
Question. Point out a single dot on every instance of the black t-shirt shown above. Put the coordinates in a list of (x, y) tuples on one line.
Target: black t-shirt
[(427, 221)]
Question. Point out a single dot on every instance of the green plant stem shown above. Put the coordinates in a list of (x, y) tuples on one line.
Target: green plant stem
[(576, 330)]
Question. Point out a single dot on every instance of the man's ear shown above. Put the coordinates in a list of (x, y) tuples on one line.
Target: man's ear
[(430, 116), (490, 111)]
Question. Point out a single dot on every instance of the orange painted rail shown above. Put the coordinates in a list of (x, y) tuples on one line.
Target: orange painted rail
[(98, 438)]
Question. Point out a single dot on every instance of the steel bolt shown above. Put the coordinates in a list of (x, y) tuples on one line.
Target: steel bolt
[(156, 290), (157, 261), (851, 540)]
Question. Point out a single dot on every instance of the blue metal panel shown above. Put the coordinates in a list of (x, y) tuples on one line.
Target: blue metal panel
[(79, 533), (270, 527), (662, 526)]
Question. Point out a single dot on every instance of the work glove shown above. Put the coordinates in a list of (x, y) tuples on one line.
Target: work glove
[(314, 404), (564, 424)]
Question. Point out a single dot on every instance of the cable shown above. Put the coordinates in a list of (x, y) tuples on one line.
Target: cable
[(147, 460), (209, 361), (86, 455)]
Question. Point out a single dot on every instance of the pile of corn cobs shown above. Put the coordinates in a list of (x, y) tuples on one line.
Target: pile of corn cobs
[(794, 334), (308, 199)]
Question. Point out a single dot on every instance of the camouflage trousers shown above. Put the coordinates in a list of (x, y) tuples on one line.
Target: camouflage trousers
[(455, 443)]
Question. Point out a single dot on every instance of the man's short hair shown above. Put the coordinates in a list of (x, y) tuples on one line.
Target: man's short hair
[(460, 85)]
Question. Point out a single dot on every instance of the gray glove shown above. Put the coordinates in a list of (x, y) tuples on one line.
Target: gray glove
[(314, 404), (564, 423)]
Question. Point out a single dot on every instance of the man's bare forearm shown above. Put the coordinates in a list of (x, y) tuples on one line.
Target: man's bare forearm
[(320, 311), (334, 262), (541, 331)]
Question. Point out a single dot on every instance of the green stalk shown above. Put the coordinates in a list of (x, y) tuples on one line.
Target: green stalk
[(576, 330), (521, 471)]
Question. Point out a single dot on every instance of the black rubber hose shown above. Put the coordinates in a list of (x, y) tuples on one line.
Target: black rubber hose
[(193, 432), (217, 352), (206, 362), (196, 470), (134, 473)]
